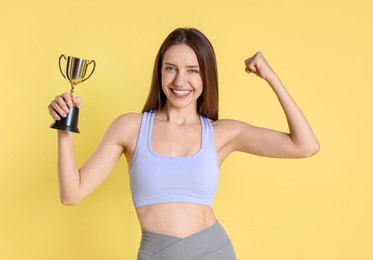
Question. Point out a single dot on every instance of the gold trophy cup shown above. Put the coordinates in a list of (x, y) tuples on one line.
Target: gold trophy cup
[(76, 69)]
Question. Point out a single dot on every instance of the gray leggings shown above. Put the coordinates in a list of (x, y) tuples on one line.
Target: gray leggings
[(211, 243)]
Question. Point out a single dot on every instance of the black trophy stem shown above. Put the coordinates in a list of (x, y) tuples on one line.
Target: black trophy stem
[(68, 123)]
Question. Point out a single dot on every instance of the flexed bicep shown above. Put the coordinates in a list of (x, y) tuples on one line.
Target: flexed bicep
[(234, 135), (265, 142)]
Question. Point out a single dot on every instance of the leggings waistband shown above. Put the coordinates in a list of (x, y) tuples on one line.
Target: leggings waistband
[(210, 243)]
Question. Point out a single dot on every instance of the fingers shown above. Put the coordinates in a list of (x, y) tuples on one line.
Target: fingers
[(252, 63), (60, 106), (77, 101), (66, 99), (258, 65), (53, 112)]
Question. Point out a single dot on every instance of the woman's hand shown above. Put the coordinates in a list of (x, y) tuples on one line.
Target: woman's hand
[(258, 65), (60, 106)]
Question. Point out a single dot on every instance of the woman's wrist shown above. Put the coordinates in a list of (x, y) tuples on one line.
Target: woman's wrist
[(274, 81), (272, 78)]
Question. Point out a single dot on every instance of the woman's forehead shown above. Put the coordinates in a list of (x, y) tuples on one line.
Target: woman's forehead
[(180, 54)]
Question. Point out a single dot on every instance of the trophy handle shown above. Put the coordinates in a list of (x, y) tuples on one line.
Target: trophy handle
[(94, 66), (59, 64)]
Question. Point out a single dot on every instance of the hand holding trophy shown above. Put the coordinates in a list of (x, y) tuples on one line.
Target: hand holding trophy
[(76, 69)]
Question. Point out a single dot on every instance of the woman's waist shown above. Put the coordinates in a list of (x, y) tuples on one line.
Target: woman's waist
[(175, 219)]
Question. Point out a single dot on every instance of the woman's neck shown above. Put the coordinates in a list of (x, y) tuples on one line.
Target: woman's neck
[(180, 116)]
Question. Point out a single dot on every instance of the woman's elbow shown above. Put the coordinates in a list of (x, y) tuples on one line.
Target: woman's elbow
[(70, 201), (311, 150)]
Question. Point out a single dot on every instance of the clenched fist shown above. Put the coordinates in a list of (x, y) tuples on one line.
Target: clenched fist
[(258, 65)]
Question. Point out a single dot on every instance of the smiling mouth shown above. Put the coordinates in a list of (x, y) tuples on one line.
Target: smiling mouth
[(181, 93)]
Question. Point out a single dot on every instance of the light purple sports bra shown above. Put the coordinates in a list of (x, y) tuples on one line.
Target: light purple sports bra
[(156, 178)]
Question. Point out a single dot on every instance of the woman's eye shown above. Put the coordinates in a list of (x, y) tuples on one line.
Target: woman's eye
[(194, 71), (168, 68)]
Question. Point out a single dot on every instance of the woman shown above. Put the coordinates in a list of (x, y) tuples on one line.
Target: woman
[(174, 149)]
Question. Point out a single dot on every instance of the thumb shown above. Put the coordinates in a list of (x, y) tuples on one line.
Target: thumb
[(77, 101)]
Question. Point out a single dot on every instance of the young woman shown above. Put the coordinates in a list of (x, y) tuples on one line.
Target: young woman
[(174, 149)]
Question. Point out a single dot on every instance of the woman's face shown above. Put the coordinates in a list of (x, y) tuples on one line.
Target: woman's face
[(181, 79)]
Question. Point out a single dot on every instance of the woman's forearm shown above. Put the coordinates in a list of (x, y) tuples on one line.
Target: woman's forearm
[(68, 173)]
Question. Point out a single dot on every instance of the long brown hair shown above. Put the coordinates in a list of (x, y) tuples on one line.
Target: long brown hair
[(207, 103)]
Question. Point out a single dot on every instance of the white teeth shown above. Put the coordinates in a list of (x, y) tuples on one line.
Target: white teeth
[(181, 92)]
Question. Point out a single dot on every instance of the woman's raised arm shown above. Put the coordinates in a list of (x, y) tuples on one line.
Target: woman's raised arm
[(299, 142)]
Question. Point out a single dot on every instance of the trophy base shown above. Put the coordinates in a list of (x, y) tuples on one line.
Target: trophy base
[(68, 123)]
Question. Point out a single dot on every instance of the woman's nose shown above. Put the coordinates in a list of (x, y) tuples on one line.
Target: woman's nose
[(179, 79)]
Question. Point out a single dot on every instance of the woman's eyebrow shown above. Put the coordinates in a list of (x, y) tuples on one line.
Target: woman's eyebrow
[(188, 66)]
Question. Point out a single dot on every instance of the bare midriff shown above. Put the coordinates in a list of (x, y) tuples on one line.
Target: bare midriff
[(175, 219)]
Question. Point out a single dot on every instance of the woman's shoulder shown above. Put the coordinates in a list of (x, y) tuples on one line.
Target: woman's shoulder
[(227, 123), (229, 126), (129, 117), (127, 123)]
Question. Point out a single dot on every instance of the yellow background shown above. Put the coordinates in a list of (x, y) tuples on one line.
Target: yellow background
[(316, 208)]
